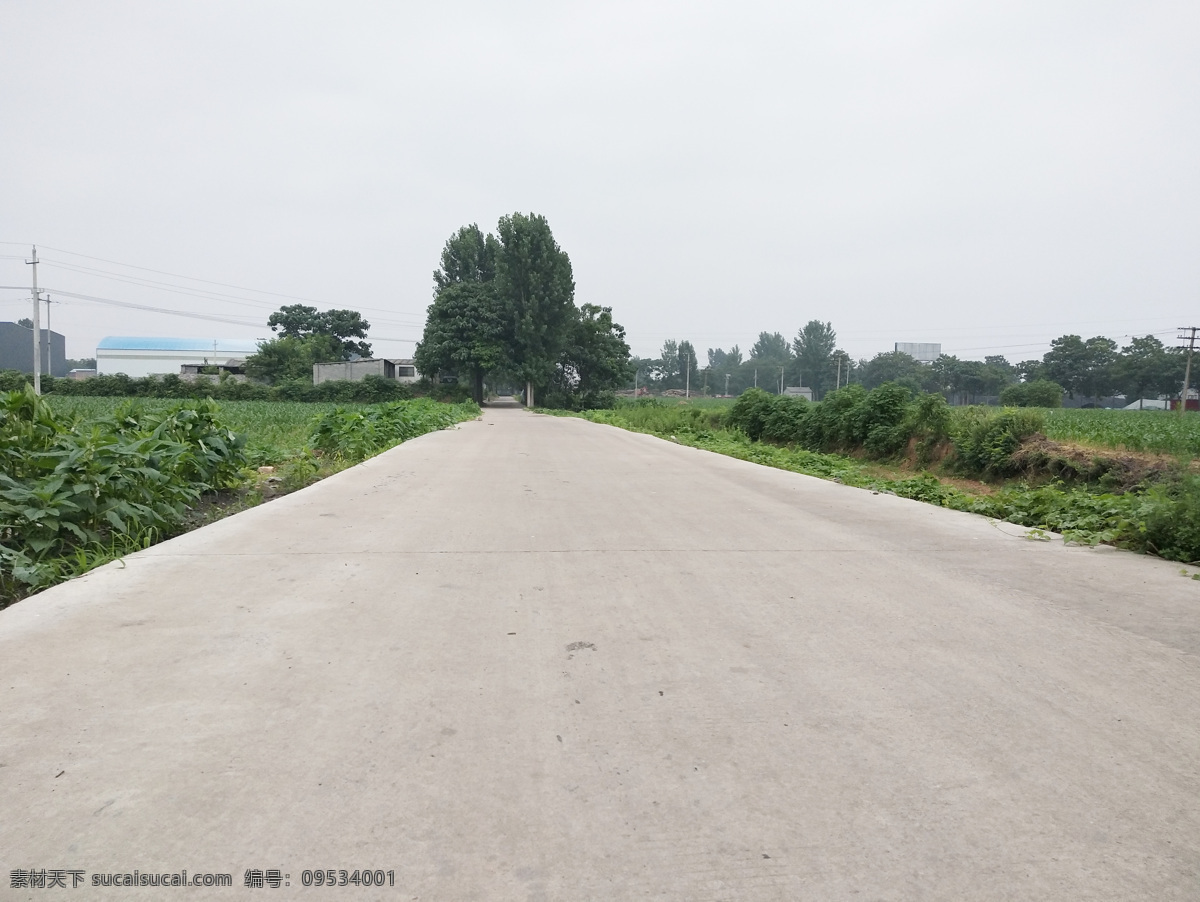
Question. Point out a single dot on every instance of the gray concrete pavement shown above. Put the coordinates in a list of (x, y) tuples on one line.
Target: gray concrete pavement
[(538, 658)]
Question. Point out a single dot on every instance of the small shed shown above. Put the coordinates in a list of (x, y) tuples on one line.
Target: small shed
[(406, 369)]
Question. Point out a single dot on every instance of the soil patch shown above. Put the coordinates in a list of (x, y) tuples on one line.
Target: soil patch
[(1039, 456)]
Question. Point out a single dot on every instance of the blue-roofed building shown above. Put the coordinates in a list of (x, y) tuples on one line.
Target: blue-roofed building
[(139, 355)]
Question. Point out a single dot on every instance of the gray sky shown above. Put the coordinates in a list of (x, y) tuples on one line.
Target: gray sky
[(986, 175)]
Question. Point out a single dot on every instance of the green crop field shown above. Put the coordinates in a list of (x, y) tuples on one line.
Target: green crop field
[(87, 479), (1134, 430), (274, 430)]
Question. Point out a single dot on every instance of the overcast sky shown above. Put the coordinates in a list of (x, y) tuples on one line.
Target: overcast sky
[(984, 175)]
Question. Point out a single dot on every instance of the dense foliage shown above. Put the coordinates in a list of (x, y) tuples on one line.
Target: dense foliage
[(87, 479), (1038, 393), (354, 434), (71, 491), (880, 422), (464, 334), (504, 307), (308, 336)]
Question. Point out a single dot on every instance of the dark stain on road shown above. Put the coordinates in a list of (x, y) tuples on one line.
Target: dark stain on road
[(579, 646)]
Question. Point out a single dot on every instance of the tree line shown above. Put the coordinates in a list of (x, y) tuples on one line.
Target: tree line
[(504, 312), (1093, 368)]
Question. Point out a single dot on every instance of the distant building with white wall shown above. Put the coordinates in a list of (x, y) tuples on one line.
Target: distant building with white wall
[(799, 391), (926, 352), (138, 356)]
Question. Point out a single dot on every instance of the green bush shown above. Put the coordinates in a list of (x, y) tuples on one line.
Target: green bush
[(68, 491), (829, 426), (1039, 393), (751, 411), (1172, 527), (354, 434), (786, 420), (880, 423), (984, 440)]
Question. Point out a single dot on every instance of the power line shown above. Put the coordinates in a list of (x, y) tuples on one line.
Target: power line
[(189, 291), (244, 321), (175, 275)]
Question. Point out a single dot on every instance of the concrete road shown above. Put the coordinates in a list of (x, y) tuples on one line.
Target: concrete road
[(538, 658)]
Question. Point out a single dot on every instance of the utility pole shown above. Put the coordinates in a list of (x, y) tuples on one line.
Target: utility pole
[(726, 385), (49, 342), (781, 380), (37, 328), (1187, 370)]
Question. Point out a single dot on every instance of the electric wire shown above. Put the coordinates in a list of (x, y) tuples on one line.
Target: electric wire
[(409, 320), (242, 321), (207, 281)]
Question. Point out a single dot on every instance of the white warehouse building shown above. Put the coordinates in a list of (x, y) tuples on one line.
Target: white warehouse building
[(142, 356)]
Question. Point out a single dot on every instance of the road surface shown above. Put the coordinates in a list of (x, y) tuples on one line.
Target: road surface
[(539, 658)]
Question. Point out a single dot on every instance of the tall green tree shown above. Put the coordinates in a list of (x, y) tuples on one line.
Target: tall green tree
[(668, 371), (1145, 368), (894, 366), (689, 368), (464, 333), (595, 360), (722, 364), (468, 256), (997, 374), (945, 375), (535, 286), (505, 303), (813, 348), (1081, 367), (292, 356), (1029, 370), (347, 327), (771, 348), (1098, 375), (644, 368)]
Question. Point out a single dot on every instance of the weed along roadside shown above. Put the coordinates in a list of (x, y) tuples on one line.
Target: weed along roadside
[(81, 485), (996, 462)]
